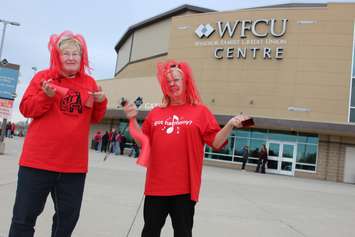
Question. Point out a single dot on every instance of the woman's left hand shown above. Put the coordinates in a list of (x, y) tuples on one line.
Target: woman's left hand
[(236, 121), (99, 95)]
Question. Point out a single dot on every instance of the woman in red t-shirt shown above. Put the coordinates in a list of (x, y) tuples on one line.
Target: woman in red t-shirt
[(177, 132)]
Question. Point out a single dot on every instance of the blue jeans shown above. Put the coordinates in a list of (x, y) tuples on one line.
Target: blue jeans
[(33, 187)]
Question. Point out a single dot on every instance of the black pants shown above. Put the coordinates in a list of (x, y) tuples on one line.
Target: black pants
[(180, 208), (33, 187), (244, 162), (261, 162), (122, 146)]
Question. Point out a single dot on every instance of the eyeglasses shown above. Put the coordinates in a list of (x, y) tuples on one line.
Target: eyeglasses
[(175, 80), (68, 54)]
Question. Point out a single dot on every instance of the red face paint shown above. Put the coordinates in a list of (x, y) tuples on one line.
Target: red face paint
[(168, 74)]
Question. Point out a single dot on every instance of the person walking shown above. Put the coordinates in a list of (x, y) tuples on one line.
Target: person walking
[(262, 160), (245, 156)]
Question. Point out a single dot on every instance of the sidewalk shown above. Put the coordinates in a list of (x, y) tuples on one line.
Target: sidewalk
[(232, 202)]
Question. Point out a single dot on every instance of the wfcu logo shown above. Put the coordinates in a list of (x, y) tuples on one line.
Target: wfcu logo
[(204, 30), (240, 39)]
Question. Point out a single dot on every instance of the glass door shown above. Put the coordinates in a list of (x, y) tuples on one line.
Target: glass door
[(282, 157)]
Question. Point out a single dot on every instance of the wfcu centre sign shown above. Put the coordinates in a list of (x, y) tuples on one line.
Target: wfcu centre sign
[(241, 39)]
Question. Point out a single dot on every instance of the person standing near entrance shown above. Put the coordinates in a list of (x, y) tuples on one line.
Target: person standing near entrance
[(62, 101), (245, 156), (178, 131), (262, 159)]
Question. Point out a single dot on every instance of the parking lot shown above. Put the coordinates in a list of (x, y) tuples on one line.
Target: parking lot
[(232, 202)]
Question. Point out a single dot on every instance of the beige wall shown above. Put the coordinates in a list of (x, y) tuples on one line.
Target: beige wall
[(145, 42), (131, 88), (314, 74), (141, 69), (151, 40), (123, 54)]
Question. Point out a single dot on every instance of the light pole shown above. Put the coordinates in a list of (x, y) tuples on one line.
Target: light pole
[(4, 121), (28, 120), (3, 33)]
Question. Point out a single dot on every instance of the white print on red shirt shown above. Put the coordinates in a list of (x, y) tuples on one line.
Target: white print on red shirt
[(172, 124)]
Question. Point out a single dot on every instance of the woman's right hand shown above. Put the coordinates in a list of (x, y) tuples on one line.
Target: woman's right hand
[(130, 110), (47, 88)]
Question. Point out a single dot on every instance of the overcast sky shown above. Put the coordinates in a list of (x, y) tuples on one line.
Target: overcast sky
[(102, 23)]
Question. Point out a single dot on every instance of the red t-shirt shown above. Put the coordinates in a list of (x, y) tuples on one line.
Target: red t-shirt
[(177, 136), (57, 138)]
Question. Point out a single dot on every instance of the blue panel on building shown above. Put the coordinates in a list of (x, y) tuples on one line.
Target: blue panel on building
[(8, 82)]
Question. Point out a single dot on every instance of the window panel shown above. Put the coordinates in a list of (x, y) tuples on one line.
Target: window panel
[(282, 136), (227, 150), (253, 161), (306, 153), (241, 133), (259, 133), (353, 93), (272, 164), (238, 159), (254, 149), (287, 151), (352, 115), (274, 149), (307, 138), (305, 167), (239, 144), (216, 156)]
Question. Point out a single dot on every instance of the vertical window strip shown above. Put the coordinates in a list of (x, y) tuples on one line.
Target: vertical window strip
[(351, 116)]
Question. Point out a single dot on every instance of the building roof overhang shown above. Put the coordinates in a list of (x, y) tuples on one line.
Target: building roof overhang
[(173, 12)]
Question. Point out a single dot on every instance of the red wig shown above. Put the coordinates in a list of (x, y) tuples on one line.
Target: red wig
[(55, 63), (191, 92)]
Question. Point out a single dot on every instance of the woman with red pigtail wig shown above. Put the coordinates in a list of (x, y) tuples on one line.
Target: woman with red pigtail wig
[(177, 131), (62, 102), (57, 43), (165, 70)]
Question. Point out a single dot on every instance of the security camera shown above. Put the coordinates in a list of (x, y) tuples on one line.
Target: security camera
[(4, 61)]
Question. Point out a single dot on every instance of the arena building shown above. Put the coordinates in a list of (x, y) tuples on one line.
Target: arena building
[(289, 66)]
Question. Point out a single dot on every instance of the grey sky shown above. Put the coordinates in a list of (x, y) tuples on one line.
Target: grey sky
[(102, 23)]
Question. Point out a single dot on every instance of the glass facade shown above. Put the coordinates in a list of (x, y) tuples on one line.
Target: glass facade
[(123, 128), (225, 154), (306, 148)]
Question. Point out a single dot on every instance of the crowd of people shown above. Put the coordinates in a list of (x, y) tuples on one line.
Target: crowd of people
[(11, 129), (114, 142), (111, 142)]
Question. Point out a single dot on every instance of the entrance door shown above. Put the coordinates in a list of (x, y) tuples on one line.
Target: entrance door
[(282, 157)]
